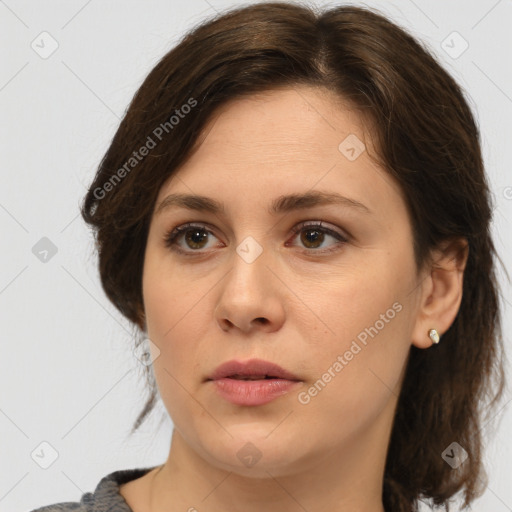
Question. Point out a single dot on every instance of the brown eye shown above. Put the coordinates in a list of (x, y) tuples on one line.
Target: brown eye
[(195, 238), (314, 234), (191, 239)]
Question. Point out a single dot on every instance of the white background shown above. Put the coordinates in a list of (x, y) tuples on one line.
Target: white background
[(67, 373)]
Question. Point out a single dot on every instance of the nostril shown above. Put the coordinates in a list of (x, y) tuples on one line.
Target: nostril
[(261, 320)]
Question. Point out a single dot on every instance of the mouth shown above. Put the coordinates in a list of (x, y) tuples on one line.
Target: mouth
[(252, 377), (252, 383), (253, 369)]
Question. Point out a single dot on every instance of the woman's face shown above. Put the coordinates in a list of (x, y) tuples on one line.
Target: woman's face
[(333, 305)]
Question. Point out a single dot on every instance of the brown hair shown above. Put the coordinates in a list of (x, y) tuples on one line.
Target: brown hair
[(426, 138)]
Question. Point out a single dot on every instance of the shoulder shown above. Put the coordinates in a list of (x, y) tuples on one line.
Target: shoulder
[(105, 497), (62, 507)]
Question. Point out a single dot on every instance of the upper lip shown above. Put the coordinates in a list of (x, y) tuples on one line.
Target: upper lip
[(251, 368)]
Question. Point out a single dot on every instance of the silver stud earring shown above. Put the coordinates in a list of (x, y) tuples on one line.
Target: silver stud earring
[(434, 336)]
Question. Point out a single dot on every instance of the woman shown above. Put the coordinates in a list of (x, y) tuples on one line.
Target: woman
[(294, 212)]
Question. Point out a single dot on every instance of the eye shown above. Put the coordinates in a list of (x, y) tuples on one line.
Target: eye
[(314, 234), (195, 236)]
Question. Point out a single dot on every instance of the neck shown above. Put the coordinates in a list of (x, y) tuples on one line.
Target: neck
[(348, 479)]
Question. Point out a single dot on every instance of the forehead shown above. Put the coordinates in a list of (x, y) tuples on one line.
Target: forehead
[(299, 119), (288, 140)]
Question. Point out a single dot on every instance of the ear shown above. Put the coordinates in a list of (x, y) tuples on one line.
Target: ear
[(441, 291)]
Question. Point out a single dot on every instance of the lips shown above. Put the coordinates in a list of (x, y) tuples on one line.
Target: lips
[(253, 369), (252, 383)]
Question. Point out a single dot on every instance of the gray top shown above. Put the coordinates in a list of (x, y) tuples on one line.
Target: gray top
[(105, 498)]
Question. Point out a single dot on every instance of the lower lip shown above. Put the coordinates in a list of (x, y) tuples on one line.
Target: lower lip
[(253, 392)]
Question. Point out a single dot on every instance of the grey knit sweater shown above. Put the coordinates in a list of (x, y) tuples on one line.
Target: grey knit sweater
[(105, 498)]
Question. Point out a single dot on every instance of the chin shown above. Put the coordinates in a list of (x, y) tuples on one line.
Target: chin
[(254, 454)]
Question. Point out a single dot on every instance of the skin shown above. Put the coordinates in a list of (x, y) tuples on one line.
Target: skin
[(201, 311)]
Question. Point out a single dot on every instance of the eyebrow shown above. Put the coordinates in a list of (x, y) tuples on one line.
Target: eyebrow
[(282, 204)]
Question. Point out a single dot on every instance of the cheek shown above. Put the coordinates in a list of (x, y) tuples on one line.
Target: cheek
[(164, 308), (353, 297), (171, 319), (167, 296), (367, 342), (171, 326), (175, 318), (358, 375)]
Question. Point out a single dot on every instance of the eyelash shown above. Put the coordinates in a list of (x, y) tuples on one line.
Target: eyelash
[(171, 237)]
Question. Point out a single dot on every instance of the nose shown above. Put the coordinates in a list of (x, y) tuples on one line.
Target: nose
[(251, 298)]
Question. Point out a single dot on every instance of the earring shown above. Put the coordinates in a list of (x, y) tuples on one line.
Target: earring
[(434, 336)]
